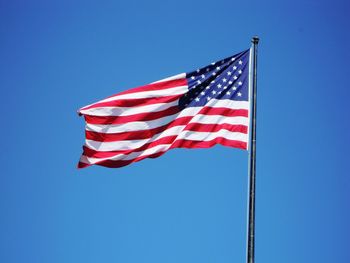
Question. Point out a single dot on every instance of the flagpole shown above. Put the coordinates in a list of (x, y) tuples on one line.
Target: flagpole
[(252, 155)]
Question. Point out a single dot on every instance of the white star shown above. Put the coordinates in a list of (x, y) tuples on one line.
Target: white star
[(219, 92), (208, 98), (233, 59), (203, 76), (213, 63), (240, 62), (235, 77), (213, 81), (239, 71), (207, 87), (192, 77), (229, 73), (228, 93), (198, 70), (202, 93), (240, 83), (214, 92), (224, 80), (234, 67), (217, 68), (234, 88), (230, 82), (197, 99), (239, 94), (225, 87), (219, 86), (213, 73), (199, 82)]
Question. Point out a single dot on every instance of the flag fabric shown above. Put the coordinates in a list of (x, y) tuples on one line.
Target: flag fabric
[(199, 109)]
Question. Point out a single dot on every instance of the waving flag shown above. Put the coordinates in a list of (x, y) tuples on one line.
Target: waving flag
[(199, 109)]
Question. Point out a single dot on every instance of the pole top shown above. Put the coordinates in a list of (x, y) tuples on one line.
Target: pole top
[(255, 40)]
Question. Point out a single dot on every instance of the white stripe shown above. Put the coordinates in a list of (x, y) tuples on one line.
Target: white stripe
[(130, 126), (126, 111), (212, 103), (232, 104), (188, 135), (219, 119), (139, 126), (208, 136)]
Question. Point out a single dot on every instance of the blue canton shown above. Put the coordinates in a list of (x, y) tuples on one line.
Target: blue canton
[(224, 79)]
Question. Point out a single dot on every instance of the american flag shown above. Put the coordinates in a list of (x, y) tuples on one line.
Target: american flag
[(199, 109)]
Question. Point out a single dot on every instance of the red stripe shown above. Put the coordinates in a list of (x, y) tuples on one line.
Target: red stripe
[(121, 163), (134, 102), (200, 127), (159, 114), (148, 116), (224, 111), (146, 134), (208, 144), (177, 144), (157, 86)]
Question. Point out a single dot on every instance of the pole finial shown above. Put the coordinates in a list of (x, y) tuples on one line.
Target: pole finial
[(255, 39)]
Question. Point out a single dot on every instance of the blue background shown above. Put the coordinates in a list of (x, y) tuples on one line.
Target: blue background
[(188, 205)]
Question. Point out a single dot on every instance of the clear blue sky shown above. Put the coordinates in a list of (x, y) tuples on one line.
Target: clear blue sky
[(188, 205)]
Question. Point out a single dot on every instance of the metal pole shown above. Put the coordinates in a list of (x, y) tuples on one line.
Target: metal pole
[(252, 155)]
